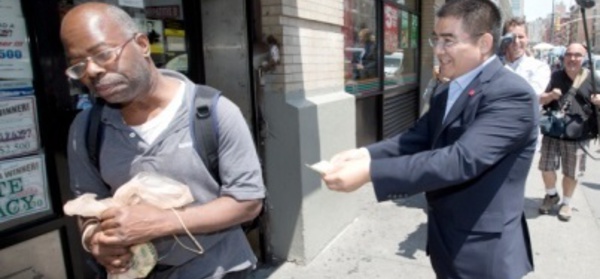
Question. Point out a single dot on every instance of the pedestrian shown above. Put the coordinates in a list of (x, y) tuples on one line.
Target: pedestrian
[(470, 153), (147, 128), (558, 152), (535, 72)]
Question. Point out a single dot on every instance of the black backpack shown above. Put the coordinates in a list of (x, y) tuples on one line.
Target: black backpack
[(205, 143)]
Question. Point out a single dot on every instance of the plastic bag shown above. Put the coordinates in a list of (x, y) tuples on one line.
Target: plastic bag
[(148, 188)]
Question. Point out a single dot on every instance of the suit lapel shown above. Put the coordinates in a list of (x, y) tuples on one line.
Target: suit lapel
[(462, 101), (438, 107), (474, 88)]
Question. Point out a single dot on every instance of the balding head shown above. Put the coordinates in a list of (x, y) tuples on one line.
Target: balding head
[(98, 19), (107, 53), (573, 59)]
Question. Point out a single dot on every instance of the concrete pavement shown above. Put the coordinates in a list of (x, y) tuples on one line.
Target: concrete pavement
[(387, 240)]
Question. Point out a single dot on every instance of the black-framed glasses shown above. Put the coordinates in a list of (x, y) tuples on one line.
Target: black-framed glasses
[(103, 58), (446, 41)]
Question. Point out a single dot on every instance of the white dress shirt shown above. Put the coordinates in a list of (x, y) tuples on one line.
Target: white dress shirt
[(535, 72), (458, 85)]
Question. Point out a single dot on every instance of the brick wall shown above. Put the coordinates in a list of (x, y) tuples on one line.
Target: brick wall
[(309, 32)]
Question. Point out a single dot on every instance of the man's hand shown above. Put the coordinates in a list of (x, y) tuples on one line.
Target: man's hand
[(596, 99), (349, 155), (349, 175), (548, 97), (115, 258), (136, 224)]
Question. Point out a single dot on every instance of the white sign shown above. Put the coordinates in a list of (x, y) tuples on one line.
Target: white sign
[(14, 50), (23, 188), (132, 3), (10, 7), (10, 88), (18, 126)]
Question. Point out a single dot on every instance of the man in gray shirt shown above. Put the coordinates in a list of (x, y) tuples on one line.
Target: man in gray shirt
[(147, 128)]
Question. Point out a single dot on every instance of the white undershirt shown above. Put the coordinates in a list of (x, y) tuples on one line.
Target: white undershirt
[(150, 130)]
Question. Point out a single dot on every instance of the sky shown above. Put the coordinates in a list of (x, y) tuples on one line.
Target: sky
[(541, 8)]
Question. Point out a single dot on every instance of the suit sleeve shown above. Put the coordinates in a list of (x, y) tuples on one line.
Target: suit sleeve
[(503, 124), (416, 139)]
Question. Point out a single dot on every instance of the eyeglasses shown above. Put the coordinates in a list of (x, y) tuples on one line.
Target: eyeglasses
[(576, 55), (103, 58), (446, 41)]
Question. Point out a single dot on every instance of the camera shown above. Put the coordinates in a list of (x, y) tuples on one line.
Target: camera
[(505, 41)]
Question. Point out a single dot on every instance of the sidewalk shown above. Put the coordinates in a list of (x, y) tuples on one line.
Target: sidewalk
[(387, 240)]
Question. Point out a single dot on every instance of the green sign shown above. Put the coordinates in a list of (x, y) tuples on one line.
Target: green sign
[(23, 189)]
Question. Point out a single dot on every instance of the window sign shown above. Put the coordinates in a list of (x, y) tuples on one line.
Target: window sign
[(390, 25), (18, 127), (23, 188), (404, 23), (132, 3), (14, 50), (10, 7), (10, 88), (414, 31)]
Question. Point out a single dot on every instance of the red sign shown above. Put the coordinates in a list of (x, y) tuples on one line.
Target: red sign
[(163, 12), (390, 28)]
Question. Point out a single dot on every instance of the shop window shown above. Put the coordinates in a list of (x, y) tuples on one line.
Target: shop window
[(360, 47), (401, 37), (24, 192)]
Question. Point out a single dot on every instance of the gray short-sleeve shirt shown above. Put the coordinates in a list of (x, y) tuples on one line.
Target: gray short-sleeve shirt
[(124, 154)]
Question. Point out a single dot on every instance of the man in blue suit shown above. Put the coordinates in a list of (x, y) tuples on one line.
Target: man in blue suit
[(470, 153)]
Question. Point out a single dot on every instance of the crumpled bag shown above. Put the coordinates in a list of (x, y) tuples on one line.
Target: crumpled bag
[(145, 187)]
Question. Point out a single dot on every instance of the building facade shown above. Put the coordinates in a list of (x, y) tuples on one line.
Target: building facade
[(311, 77)]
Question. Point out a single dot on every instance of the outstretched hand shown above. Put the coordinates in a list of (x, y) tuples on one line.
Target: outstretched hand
[(350, 171)]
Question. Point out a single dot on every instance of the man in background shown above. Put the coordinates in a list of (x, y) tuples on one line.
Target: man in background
[(561, 153), (535, 72)]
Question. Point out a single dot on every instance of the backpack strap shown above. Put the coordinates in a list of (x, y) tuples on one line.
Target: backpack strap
[(95, 133), (205, 130)]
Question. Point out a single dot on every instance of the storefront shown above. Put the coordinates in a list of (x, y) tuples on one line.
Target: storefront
[(37, 104), (381, 43), (224, 46)]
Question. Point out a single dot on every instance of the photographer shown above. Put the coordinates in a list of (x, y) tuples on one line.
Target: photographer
[(570, 91), (537, 73)]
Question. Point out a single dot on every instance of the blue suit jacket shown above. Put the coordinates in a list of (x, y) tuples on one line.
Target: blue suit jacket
[(473, 167)]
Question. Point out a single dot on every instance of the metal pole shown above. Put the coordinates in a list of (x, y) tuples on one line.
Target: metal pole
[(591, 63), (552, 24)]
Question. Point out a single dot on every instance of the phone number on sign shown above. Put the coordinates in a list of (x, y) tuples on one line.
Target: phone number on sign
[(15, 148)]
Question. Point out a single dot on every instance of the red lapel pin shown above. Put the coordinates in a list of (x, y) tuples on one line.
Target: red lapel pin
[(471, 92)]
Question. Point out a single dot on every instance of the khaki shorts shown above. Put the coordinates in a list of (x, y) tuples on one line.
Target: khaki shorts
[(556, 152)]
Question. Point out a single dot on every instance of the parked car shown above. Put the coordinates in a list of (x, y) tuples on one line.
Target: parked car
[(392, 66)]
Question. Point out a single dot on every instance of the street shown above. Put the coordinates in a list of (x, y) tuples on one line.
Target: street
[(388, 239)]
